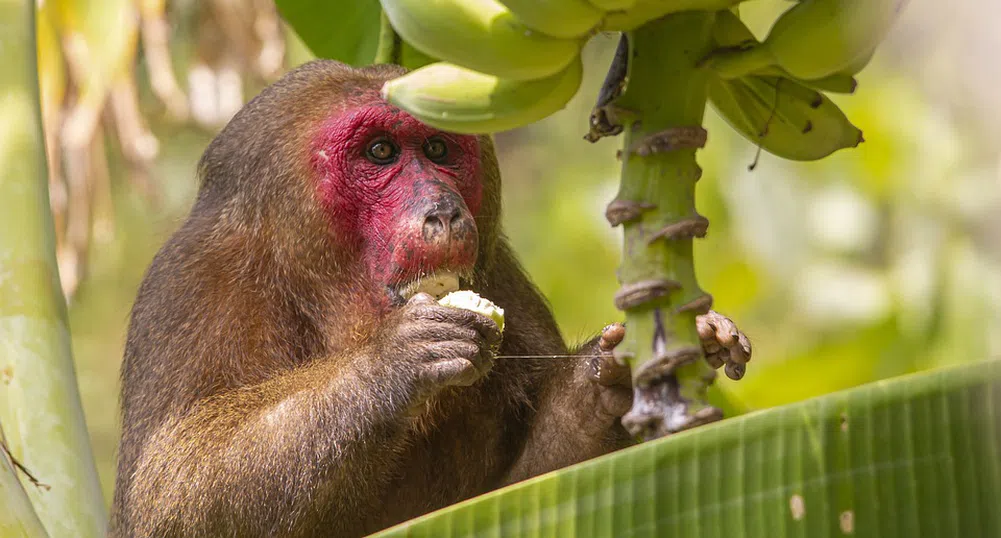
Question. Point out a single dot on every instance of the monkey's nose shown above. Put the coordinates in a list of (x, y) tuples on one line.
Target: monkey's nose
[(439, 223)]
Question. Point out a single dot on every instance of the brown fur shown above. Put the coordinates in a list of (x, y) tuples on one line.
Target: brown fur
[(255, 399)]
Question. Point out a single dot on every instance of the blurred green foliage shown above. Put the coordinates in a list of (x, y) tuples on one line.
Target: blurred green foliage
[(869, 264)]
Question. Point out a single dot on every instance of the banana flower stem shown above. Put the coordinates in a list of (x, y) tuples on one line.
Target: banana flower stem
[(661, 111)]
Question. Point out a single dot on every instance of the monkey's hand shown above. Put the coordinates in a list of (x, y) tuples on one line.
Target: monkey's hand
[(614, 377), (439, 346), (722, 343)]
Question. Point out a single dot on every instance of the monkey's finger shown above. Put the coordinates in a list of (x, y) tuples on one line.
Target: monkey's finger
[(608, 371), (611, 336), (448, 314), (431, 333), (718, 359), (735, 371), (487, 327), (707, 331), (715, 326), (451, 372), (453, 350), (738, 354), (421, 298), (745, 345)]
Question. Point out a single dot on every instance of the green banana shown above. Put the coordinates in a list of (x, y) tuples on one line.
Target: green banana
[(482, 35), (456, 99), (612, 5), (644, 11), (557, 18), (836, 83), (729, 32), (816, 39), (785, 118)]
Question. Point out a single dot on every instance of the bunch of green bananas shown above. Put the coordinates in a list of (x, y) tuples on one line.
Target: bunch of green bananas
[(505, 63), (502, 64), (784, 115), (815, 39)]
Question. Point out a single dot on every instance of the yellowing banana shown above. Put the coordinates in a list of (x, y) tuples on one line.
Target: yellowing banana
[(729, 32), (817, 38), (482, 35), (558, 18), (784, 117), (470, 300), (460, 100)]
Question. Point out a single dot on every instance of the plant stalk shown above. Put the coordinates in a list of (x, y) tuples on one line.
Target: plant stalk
[(390, 48), (17, 517), (662, 109), (40, 405)]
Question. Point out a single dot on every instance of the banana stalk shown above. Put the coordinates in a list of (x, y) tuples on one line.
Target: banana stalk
[(17, 517), (662, 109), (39, 399)]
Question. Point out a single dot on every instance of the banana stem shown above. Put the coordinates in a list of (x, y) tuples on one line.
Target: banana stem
[(390, 49), (40, 406), (662, 109)]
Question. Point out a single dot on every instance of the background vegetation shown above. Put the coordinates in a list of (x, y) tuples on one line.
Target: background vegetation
[(874, 262)]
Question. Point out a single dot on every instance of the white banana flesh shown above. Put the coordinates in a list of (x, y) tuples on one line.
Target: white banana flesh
[(470, 300)]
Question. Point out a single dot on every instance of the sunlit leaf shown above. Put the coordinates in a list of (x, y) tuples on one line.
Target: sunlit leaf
[(343, 31), (915, 456)]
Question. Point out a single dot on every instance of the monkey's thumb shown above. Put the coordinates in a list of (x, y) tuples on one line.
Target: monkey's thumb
[(422, 298)]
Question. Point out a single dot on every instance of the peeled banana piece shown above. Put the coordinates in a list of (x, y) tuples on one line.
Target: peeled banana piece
[(818, 38), (470, 300), (729, 32), (482, 35), (460, 100), (785, 118), (557, 18)]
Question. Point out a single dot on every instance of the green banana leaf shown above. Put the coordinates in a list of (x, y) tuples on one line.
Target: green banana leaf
[(351, 32), (39, 399), (343, 31), (915, 456)]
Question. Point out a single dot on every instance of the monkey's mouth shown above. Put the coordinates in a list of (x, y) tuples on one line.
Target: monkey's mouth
[(437, 285)]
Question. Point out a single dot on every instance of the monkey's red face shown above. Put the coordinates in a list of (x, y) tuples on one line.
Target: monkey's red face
[(402, 196)]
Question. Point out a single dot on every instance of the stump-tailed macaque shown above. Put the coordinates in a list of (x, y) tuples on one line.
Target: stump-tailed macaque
[(288, 371)]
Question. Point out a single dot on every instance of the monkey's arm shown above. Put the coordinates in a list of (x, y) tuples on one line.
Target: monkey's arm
[(578, 412), (310, 447), (324, 435), (582, 401)]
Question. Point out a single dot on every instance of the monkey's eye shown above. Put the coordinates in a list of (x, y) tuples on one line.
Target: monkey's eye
[(382, 151), (436, 149)]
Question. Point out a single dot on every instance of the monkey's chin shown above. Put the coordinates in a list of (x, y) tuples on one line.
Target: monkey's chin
[(436, 285)]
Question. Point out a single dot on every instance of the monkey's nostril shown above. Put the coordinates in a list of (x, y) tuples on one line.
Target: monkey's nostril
[(434, 227), (456, 215)]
